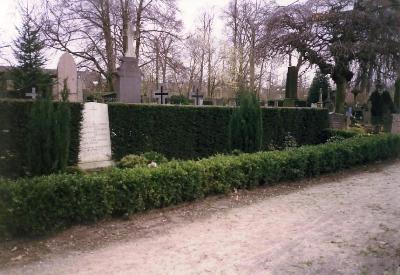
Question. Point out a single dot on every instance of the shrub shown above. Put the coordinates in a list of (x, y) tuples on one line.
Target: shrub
[(14, 133), (135, 161), (156, 157), (245, 126), (179, 100), (185, 132), (48, 138), (132, 161), (45, 204)]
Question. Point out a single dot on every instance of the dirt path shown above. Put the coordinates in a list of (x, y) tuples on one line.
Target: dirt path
[(347, 225)]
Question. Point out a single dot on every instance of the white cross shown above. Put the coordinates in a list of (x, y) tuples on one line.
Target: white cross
[(33, 94)]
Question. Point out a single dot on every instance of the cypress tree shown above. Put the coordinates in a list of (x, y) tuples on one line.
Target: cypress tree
[(245, 128), (49, 135), (320, 81)]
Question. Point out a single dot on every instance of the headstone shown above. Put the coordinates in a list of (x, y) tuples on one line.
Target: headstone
[(95, 140), (395, 124), (129, 75), (198, 97), (291, 87), (161, 96), (32, 94), (66, 70), (320, 103), (337, 121)]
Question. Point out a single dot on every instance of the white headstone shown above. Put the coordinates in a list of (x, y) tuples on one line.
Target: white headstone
[(396, 124), (95, 140), (66, 70)]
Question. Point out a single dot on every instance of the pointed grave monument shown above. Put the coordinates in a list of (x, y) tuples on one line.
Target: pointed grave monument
[(129, 75), (67, 73)]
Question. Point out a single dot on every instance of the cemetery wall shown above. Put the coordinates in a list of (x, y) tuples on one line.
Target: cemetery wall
[(14, 117), (190, 133)]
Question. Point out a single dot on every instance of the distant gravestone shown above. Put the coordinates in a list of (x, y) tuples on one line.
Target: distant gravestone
[(337, 121), (32, 94), (199, 99), (161, 96), (95, 140), (67, 71), (396, 124), (129, 75)]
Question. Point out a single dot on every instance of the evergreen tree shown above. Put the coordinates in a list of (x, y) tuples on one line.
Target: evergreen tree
[(397, 96), (28, 51), (319, 82), (49, 135), (245, 128)]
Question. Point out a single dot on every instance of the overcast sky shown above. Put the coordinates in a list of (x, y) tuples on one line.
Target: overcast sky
[(190, 10)]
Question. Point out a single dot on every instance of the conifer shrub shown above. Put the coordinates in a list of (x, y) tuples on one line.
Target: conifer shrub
[(245, 127)]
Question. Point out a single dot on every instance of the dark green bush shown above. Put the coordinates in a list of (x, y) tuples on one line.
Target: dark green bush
[(189, 133), (245, 125), (48, 140), (136, 161), (156, 157), (14, 121), (45, 204)]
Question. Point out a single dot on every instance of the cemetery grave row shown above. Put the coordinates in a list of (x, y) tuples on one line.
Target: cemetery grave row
[(175, 131)]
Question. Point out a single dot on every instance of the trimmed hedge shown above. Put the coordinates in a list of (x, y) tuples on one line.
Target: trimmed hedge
[(46, 204), (14, 117), (191, 133)]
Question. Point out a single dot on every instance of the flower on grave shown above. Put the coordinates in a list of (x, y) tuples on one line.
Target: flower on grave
[(152, 165)]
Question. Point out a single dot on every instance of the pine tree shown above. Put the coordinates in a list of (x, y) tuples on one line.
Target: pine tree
[(28, 51), (319, 82), (245, 128)]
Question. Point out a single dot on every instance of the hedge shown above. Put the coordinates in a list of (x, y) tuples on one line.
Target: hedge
[(14, 117), (193, 132), (46, 204)]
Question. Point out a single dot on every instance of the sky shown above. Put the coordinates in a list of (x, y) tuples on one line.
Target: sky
[(190, 12)]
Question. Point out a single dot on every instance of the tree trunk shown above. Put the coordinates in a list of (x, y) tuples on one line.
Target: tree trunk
[(341, 85), (109, 45), (252, 61), (138, 27)]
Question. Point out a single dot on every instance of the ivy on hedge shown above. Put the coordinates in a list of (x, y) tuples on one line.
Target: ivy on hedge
[(191, 133), (45, 204), (14, 118)]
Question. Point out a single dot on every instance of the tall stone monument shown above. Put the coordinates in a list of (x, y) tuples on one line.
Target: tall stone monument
[(67, 73), (95, 139), (291, 87), (129, 75)]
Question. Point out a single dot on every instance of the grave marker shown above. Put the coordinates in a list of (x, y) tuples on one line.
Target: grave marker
[(198, 98), (67, 71), (95, 140), (396, 124), (161, 95), (32, 94)]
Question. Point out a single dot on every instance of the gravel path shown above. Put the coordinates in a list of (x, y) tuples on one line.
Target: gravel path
[(345, 226)]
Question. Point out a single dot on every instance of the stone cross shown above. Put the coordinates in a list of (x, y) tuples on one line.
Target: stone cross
[(162, 94), (32, 94), (197, 96)]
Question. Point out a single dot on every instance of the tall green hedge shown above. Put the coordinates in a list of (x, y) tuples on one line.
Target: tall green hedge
[(14, 118), (193, 132), (44, 204)]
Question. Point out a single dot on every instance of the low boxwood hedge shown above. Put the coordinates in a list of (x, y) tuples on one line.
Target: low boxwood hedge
[(46, 204)]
